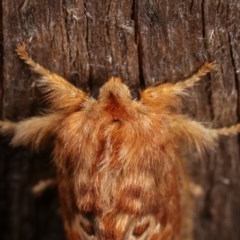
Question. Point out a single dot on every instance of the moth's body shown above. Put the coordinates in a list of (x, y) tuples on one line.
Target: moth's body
[(115, 168), (118, 160)]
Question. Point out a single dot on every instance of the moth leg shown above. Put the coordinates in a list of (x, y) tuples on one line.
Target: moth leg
[(61, 94), (227, 131), (192, 80), (169, 95), (7, 128), (51, 79), (34, 132), (181, 87), (23, 54), (192, 135), (39, 188)]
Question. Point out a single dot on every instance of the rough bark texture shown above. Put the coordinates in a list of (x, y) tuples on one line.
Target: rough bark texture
[(142, 41)]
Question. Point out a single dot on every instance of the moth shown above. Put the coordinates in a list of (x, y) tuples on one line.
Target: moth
[(118, 158)]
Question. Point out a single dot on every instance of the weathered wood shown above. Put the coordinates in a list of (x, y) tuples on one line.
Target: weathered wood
[(142, 41)]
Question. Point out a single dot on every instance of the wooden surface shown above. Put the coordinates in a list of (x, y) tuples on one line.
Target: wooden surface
[(142, 41)]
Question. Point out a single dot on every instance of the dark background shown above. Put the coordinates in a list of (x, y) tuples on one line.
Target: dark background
[(143, 42)]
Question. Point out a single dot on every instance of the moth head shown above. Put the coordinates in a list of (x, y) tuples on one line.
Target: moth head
[(115, 87), (159, 96)]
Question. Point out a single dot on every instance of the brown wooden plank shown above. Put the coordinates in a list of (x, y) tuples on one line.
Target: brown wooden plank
[(144, 42)]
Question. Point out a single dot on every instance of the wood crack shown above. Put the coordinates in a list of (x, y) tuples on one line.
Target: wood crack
[(1, 62), (235, 72), (90, 82), (138, 42)]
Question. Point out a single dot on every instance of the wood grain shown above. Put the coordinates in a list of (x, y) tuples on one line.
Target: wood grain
[(143, 42)]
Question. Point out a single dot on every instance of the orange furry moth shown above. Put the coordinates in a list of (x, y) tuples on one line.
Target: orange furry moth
[(118, 159)]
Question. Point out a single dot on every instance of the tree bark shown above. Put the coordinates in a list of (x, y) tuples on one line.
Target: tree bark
[(143, 42)]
